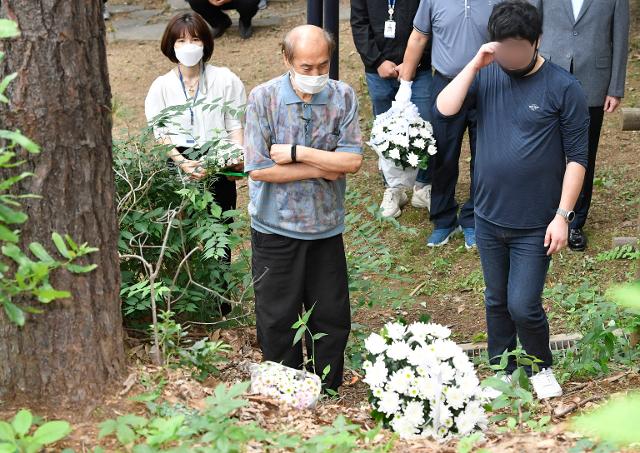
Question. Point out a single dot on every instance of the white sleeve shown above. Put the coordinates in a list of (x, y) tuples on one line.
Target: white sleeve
[(236, 96), (154, 103)]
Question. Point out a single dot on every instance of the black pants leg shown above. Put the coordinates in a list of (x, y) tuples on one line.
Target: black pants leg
[(214, 15), (246, 9), (327, 291), (290, 274), (467, 217), (449, 133), (596, 116)]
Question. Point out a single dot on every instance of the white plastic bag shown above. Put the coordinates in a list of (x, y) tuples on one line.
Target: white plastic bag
[(397, 177), (394, 175)]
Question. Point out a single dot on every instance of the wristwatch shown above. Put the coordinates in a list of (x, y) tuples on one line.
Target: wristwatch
[(567, 215)]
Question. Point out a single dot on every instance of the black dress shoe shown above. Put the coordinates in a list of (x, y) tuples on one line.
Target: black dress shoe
[(577, 240), (218, 31), (246, 30)]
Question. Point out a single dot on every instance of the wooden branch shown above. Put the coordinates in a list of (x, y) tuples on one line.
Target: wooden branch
[(565, 410)]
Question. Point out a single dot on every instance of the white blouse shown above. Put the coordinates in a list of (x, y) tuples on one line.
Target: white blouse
[(217, 83)]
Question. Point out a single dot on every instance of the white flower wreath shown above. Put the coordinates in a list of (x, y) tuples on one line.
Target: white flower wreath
[(422, 383)]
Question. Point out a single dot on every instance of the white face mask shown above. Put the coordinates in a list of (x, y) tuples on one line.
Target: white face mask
[(189, 54), (310, 84)]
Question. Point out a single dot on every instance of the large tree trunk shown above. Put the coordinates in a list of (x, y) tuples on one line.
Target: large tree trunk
[(61, 99)]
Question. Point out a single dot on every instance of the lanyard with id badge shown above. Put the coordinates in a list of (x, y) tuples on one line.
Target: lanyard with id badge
[(390, 25), (190, 141)]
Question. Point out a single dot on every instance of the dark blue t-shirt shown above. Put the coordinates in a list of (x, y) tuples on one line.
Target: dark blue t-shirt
[(528, 129)]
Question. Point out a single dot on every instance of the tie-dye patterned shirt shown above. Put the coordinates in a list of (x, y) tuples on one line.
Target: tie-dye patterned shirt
[(312, 208)]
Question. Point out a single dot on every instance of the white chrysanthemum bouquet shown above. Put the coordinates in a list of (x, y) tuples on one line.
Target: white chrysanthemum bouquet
[(220, 154), (422, 383), (296, 388), (403, 137)]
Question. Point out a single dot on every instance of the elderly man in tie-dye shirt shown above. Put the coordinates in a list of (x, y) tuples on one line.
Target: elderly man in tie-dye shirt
[(302, 138)]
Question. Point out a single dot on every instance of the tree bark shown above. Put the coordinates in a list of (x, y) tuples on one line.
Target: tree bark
[(61, 99)]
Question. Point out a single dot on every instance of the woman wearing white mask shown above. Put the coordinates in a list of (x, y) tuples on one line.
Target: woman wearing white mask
[(187, 41)]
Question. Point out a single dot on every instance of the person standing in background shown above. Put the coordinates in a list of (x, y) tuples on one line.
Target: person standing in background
[(188, 44), (590, 39), (457, 29), (381, 29), (213, 11)]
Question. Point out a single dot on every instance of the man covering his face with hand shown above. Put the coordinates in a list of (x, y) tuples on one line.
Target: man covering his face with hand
[(531, 156)]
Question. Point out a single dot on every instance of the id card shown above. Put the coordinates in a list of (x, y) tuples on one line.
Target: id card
[(390, 29)]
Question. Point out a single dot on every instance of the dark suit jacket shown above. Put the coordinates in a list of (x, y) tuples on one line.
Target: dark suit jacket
[(594, 47)]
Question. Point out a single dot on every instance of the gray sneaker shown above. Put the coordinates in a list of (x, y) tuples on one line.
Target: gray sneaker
[(392, 202), (421, 197)]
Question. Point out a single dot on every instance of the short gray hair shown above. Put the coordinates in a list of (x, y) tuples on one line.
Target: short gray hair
[(288, 44)]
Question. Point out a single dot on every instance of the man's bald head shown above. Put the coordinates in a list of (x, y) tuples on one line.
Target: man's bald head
[(307, 42)]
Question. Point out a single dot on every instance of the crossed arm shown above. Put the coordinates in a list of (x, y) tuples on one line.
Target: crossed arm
[(311, 163)]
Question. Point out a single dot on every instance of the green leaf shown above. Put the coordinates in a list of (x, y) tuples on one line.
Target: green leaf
[(51, 432), (18, 138), (8, 29), (143, 448), (15, 313), (39, 251), (107, 428), (7, 235), (22, 422), (46, 295), (7, 183), (60, 245), (8, 215), (125, 434), (136, 421), (499, 403), (78, 269), (8, 448), (298, 335), (326, 371), (627, 296), (15, 253), (496, 383), (6, 431), (616, 421)]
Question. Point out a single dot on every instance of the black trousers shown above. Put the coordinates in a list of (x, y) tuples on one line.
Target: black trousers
[(292, 274), (596, 116), (449, 133), (215, 15)]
